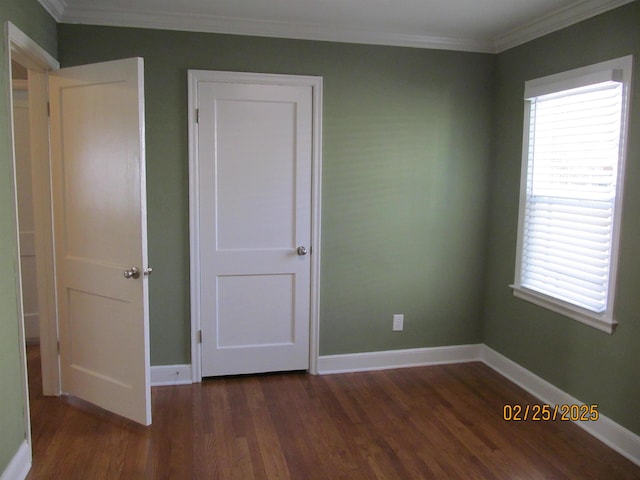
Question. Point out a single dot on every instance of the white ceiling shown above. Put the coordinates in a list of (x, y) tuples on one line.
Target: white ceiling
[(468, 25)]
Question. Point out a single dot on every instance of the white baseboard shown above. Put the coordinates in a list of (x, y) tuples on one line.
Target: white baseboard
[(162, 375), (20, 464), (606, 430), (414, 357)]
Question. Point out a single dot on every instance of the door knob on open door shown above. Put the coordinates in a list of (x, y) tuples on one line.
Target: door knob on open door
[(132, 272), (302, 251)]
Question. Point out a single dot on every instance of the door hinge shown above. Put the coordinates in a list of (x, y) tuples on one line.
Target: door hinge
[(48, 109), (58, 346), (197, 115), (199, 336)]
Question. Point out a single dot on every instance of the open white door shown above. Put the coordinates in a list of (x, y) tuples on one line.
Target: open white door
[(99, 202)]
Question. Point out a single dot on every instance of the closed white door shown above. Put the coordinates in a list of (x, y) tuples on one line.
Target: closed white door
[(98, 177), (254, 163)]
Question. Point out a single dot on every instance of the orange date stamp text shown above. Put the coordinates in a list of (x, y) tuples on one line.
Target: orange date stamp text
[(544, 413)]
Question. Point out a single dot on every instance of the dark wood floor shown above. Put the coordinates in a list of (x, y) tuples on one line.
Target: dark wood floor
[(441, 422)]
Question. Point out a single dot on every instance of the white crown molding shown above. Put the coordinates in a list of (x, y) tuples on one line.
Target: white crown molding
[(56, 8), (556, 20), (553, 21), (263, 28)]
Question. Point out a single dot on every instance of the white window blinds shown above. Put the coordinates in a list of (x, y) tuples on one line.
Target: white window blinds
[(574, 142), (573, 160)]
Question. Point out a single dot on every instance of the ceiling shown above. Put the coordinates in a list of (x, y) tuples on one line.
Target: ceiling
[(467, 25)]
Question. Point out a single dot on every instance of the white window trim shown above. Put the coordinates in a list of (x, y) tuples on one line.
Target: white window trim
[(620, 70)]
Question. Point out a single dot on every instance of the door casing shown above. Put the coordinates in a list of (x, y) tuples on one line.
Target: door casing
[(194, 209), (22, 49), (26, 52)]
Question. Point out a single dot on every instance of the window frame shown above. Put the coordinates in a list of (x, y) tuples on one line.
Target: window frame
[(619, 69)]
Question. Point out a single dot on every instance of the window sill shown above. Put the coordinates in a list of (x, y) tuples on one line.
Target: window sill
[(583, 316)]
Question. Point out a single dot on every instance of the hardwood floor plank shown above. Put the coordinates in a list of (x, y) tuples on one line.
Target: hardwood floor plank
[(291, 425), (267, 438), (442, 422), (214, 432)]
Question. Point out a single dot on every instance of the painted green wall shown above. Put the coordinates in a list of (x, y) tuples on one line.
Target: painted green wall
[(405, 180), (590, 365), (420, 190), (31, 18)]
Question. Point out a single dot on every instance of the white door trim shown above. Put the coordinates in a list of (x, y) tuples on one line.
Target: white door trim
[(29, 54), (39, 62), (194, 76)]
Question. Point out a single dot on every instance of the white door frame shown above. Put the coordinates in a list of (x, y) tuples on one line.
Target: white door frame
[(22, 49), (315, 83), (28, 53)]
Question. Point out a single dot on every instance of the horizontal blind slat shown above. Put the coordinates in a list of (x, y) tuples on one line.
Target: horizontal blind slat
[(577, 275), (575, 263)]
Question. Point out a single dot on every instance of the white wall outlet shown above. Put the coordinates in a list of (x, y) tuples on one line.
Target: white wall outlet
[(398, 322)]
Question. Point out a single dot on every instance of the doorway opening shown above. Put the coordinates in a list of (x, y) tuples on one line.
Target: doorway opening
[(28, 65), (26, 227), (52, 185), (24, 199)]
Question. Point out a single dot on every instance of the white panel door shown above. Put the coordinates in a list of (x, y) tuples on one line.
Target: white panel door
[(254, 150), (98, 175)]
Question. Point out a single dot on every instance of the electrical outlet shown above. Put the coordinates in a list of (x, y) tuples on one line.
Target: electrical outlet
[(398, 322)]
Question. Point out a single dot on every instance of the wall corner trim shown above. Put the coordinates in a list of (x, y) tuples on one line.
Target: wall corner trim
[(20, 464), (414, 357), (163, 375), (612, 434)]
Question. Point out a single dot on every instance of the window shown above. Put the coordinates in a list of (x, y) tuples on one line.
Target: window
[(571, 191)]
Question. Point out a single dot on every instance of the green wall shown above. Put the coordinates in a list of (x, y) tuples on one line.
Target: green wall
[(591, 365), (407, 175), (405, 180), (31, 18), (422, 153)]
